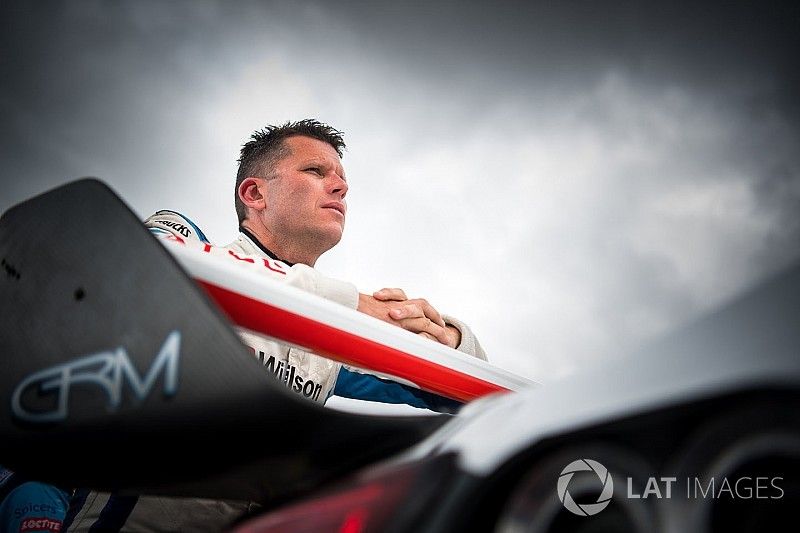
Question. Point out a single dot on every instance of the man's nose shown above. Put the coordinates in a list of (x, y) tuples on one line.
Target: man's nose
[(338, 186)]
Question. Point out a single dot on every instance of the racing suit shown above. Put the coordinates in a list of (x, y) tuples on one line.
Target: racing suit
[(317, 375), (30, 506), (314, 376)]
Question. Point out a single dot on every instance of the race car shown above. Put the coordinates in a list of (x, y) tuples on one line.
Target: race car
[(122, 372)]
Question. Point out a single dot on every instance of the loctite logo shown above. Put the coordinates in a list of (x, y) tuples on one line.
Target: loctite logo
[(40, 524)]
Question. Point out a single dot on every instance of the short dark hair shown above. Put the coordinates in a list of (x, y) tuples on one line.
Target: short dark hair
[(266, 147)]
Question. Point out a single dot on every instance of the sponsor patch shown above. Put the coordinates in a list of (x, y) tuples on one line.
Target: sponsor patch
[(108, 371), (177, 226), (40, 524), (289, 376)]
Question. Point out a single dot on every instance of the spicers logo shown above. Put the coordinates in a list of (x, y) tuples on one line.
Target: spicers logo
[(108, 370)]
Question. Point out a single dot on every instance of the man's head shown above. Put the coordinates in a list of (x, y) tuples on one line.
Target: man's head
[(291, 187), (266, 147)]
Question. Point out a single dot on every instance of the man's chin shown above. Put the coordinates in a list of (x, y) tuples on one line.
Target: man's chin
[(332, 236)]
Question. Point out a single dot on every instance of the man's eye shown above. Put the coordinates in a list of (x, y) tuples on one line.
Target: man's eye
[(315, 170)]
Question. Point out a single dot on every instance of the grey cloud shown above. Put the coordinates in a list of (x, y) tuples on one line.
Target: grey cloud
[(617, 166)]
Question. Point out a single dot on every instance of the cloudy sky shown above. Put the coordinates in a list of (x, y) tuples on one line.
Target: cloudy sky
[(572, 179)]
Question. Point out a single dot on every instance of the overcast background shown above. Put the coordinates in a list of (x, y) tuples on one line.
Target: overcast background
[(572, 179)]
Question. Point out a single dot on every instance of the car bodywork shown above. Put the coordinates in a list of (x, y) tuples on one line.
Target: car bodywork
[(699, 432), (117, 365)]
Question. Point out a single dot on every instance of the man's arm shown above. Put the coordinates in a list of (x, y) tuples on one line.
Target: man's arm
[(389, 305), (359, 385), (468, 343), (419, 316)]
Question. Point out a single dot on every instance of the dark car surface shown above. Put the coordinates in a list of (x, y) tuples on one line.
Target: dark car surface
[(697, 432)]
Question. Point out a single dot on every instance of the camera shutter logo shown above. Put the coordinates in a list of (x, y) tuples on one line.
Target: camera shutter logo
[(586, 509)]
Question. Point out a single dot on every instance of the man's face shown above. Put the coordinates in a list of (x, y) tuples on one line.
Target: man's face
[(305, 199)]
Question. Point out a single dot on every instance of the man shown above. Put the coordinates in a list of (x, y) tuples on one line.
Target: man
[(291, 203), (290, 198)]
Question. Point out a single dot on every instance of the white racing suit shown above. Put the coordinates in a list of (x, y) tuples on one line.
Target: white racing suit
[(313, 377), (307, 374)]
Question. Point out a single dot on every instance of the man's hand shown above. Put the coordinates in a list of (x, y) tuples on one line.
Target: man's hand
[(417, 315)]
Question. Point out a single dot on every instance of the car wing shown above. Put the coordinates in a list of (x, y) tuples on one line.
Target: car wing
[(118, 371)]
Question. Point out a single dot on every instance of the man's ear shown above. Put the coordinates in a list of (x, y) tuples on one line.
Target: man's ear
[(250, 193)]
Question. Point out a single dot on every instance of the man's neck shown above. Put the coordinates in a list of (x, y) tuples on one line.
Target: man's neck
[(287, 251), (261, 247)]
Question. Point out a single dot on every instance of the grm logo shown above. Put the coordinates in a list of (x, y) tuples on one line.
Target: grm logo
[(586, 509), (107, 370)]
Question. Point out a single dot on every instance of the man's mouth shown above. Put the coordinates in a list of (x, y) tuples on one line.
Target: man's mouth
[(336, 206)]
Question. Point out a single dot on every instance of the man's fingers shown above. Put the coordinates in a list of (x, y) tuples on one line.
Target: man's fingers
[(414, 317), (424, 325), (385, 295), (419, 308), (406, 311), (430, 311), (428, 336)]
